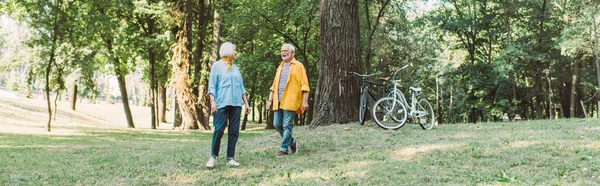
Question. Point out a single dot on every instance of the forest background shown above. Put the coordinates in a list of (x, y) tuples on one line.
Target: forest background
[(474, 59)]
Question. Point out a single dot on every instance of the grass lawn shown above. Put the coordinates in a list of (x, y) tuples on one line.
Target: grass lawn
[(544, 152)]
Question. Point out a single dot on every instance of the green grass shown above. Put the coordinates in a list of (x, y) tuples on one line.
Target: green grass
[(545, 152)]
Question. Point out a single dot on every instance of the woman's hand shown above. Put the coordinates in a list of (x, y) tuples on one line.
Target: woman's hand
[(213, 107)]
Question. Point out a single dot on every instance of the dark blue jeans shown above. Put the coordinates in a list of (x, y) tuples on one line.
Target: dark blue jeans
[(283, 121), (231, 114)]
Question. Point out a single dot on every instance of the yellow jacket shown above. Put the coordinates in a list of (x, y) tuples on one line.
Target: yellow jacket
[(297, 83)]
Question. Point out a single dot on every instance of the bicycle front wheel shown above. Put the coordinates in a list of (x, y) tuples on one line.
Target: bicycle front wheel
[(362, 106), (389, 113), (427, 119)]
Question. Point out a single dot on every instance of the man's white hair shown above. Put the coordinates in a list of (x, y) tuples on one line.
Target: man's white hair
[(227, 49), (292, 49)]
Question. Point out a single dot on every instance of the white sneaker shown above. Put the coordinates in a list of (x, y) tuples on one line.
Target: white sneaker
[(211, 162), (233, 163)]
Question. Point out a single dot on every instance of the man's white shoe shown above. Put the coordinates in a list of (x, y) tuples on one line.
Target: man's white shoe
[(211, 162), (233, 163)]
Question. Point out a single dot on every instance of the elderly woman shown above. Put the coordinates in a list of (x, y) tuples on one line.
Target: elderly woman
[(226, 91)]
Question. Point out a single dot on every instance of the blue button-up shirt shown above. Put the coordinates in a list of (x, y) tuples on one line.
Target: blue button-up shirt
[(226, 85)]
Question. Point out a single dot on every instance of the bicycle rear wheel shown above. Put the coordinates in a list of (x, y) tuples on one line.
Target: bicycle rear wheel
[(389, 113), (362, 106), (426, 120)]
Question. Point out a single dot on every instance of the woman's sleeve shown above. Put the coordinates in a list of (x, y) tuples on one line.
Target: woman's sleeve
[(242, 84), (212, 81)]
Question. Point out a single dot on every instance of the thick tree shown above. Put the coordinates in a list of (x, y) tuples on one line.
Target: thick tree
[(336, 96), (181, 61)]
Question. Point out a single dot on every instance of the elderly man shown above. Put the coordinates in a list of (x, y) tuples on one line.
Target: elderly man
[(288, 96)]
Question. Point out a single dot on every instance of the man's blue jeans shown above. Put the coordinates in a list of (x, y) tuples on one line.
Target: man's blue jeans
[(283, 120), (220, 122)]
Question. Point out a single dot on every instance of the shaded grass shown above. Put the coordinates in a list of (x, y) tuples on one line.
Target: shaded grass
[(545, 152)]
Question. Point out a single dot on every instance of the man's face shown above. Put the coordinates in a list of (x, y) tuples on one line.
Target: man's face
[(286, 54)]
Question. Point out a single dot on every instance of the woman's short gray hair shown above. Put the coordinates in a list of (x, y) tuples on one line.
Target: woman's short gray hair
[(227, 49), (290, 46)]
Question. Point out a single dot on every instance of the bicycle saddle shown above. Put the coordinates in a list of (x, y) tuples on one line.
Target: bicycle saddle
[(416, 89), (384, 78)]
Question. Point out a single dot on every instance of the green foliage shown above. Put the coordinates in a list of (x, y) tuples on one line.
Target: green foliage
[(259, 28)]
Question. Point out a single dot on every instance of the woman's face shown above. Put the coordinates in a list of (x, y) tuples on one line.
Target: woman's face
[(234, 55)]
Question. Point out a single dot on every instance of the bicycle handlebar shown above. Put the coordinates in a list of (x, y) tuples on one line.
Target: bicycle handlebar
[(363, 75), (394, 76)]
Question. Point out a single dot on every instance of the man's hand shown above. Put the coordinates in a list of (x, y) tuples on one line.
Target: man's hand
[(247, 109), (304, 106), (269, 104)]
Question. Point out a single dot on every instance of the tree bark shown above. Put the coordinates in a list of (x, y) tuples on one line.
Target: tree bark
[(202, 67), (181, 65), (162, 91), (55, 36), (216, 33), (340, 54), (125, 99), (574, 86), (74, 96), (596, 56)]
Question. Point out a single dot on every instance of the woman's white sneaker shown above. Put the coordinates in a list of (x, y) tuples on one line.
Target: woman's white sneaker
[(211, 162), (233, 163)]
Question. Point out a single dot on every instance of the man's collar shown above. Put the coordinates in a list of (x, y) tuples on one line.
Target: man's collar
[(291, 62)]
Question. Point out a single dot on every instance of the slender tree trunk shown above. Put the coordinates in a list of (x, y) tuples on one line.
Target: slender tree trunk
[(260, 111), (340, 54), (74, 96), (153, 88), (574, 86), (270, 120), (162, 91), (251, 97), (596, 55), (47, 88), (56, 102), (539, 98), (371, 32), (125, 99), (216, 34)]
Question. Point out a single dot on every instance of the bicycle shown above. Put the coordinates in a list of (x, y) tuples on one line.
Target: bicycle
[(365, 91), (392, 111)]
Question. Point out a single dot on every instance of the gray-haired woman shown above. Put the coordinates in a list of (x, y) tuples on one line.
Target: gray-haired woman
[(227, 94)]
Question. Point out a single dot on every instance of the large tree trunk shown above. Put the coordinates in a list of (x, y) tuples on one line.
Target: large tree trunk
[(340, 54), (202, 67), (181, 65)]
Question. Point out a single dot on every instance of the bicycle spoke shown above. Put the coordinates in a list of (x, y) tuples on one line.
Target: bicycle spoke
[(389, 113)]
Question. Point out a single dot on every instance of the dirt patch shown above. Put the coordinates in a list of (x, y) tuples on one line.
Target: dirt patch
[(408, 153)]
